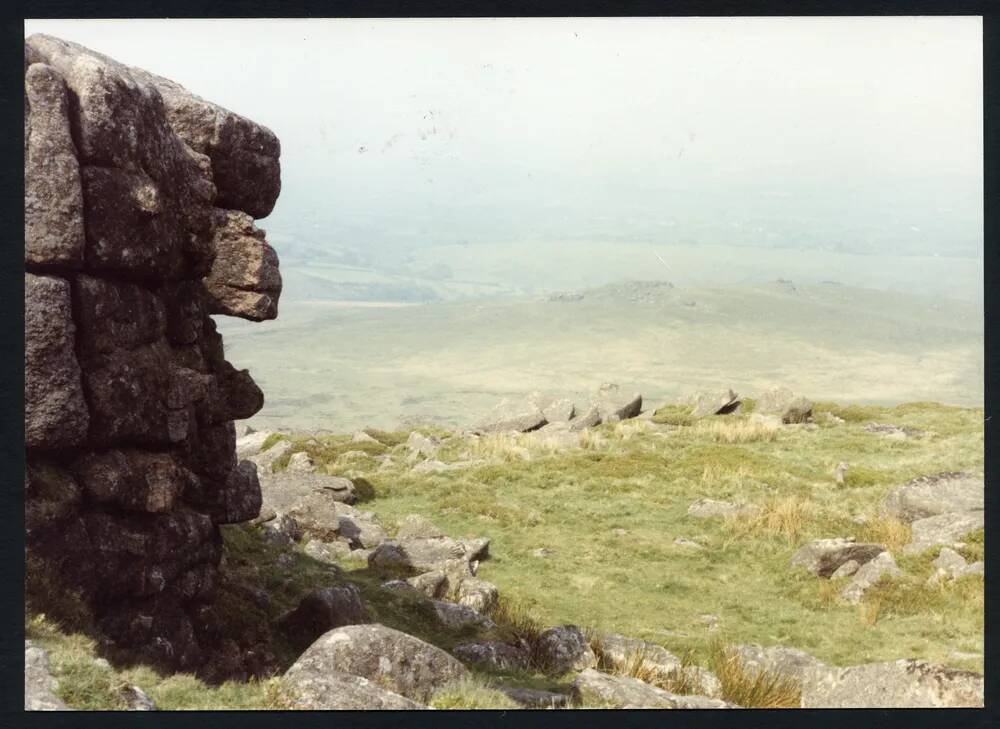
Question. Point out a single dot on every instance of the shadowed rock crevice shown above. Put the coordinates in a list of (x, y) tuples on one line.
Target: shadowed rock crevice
[(140, 201)]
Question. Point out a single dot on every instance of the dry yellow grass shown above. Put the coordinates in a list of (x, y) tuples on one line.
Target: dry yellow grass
[(738, 431), (787, 517), (886, 530), (749, 688)]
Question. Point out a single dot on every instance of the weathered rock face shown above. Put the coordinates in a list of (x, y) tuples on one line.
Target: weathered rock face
[(891, 685), (139, 207)]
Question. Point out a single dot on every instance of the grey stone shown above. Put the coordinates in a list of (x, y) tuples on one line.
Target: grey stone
[(244, 280), (535, 698), (715, 403), (869, 574), (330, 690), (323, 609), (823, 557), (932, 495), (301, 462), (491, 655), (790, 663), (512, 416), (602, 689), (458, 617), (398, 661), (946, 528), (617, 650), (565, 648), (892, 685), (39, 685), (614, 405), (477, 594)]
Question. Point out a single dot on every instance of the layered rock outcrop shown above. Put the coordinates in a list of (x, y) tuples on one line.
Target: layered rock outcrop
[(140, 200)]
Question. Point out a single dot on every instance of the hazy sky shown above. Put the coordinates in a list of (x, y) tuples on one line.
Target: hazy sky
[(428, 130)]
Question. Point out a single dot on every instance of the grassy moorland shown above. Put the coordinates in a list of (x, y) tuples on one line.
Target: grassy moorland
[(608, 513)]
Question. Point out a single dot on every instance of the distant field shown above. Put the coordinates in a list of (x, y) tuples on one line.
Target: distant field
[(339, 367)]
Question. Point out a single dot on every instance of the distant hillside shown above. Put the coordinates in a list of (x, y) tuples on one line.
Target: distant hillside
[(343, 366)]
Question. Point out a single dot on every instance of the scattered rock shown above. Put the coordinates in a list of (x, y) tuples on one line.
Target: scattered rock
[(867, 575), (477, 594), (363, 437), (395, 660), (892, 685), (559, 411), (613, 405), (315, 500), (778, 660), (361, 533), (933, 495), (321, 610), (421, 445), (943, 529), (250, 444), (791, 408), (886, 430), (458, 617), (329, 552), (491, 655), (721, 402), (433, 584), (39, 685), (335, 690), (424, 554), (522, 417), (590, 418), (616, 650), (136, 699), (565, 648), (301, 462), (845, 570), (535, 698), (265, 459), (282, 530), (596, 688), (711, 509), (824, 556)]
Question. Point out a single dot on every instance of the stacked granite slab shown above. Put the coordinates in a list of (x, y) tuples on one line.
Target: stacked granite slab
[(140, 200)]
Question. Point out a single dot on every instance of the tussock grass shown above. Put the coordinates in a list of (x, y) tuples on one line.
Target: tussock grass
[(787, 517), (516, 624), (750, 688), (887, 530), (679, 415), (738, 431), (471, 693)]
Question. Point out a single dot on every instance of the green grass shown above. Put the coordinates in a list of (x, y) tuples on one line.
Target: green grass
[(639, 477), (471, 694)]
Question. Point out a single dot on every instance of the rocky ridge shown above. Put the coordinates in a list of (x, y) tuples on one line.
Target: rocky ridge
[(140, 199)]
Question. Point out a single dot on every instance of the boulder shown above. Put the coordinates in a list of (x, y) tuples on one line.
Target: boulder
[(301, 462), (251, 443), (601, 689), (712, 509), (614, 405), (618, 650), (565, 648), (869, 574), (459, 617), (588, 419), (845, 570), (509, 415), (950, 565), (264, 460), (321, 610), (433, 584), (928, 496), (39, 685), (283, 530), (790, 663), (328, 552), (492, 655), (361, 533), (720, 402), (892, 685), (947, 528), (397, 661), (55, 413), (555, 410), (425, 555), (823, 557), (136, 699), (316, 501), (421, 445), (329, 690), (414, 526), (477, 594), (791, 408)]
